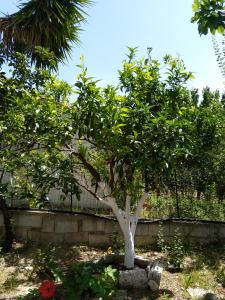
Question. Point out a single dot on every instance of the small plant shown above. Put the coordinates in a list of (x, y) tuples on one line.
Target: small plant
[(191, 279), (33, 294), (77, 280), (220, 276), (176, 250), (117, 244), (45, 264), (88, 278), (161, 245), (165, 296), (10, 284), (103, 285)]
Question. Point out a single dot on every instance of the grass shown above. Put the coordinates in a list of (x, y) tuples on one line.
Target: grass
[(10, 284)]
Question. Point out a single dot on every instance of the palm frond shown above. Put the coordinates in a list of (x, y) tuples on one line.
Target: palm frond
[(51, 24)]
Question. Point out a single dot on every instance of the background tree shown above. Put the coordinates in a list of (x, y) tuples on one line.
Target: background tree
[(24, 112), (209, 15)]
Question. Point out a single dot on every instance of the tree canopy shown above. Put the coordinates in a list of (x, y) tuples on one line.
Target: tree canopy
[(209, 15)]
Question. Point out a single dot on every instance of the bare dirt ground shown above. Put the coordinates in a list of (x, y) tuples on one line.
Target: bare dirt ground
[(17, 271)]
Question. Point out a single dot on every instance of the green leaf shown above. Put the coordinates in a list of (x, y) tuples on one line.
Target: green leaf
[(220, 29), (196, 5)]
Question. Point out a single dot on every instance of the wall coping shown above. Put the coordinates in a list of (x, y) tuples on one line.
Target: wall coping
[(112, 218)]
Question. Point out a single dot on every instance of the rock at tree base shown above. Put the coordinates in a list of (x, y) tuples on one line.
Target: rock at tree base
[(121, 295), (154, 276), (136, 278), (141, 262), (146, 273), (153, 285), (199, 293), (210, 296)]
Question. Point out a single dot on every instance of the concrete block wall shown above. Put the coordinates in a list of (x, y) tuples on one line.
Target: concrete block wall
[(72, 228)]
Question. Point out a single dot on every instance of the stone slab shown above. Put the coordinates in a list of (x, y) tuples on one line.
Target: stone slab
[(142, 229), (66, 226), (77, 237), (100, 225), (89, 225), (153, 229), (143, 240), (21, 234), (136, 278), (32, 221), (45, 237), (98, 239), (48, 224), (1, 220)]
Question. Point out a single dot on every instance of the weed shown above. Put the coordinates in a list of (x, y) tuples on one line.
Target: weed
[(220, 276), (45, 264), (117, 244), (191, 279), (161, 245), (165, 296), (10, 284), (33, 294), (198, 278), (176, 250)]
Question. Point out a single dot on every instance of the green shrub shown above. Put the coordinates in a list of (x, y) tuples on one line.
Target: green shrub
[(176, 250), (116, 242), (103, 285), (161, 245), (85, 278)]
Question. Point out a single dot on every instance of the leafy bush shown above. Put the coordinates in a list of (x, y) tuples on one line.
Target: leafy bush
[(176, 250), (85, 278), (103, 285), (116, 242), (161, 245)]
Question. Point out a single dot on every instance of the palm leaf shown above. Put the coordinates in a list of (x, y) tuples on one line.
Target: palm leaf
[(51, 24)]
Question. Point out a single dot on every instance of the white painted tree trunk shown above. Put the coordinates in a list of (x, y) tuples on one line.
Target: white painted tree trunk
[(128, 225), (129, 250), (127, 221)]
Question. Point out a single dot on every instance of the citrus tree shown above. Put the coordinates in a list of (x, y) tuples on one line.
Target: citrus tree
[(23, 95), (114, 137)]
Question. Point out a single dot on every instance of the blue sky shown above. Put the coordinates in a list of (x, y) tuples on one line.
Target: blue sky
[(163, 25)]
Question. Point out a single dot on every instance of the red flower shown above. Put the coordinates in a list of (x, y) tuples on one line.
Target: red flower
[(47, 289), (146, 206)]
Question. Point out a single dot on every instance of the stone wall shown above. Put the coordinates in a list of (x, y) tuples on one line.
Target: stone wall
[(71, 228)]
